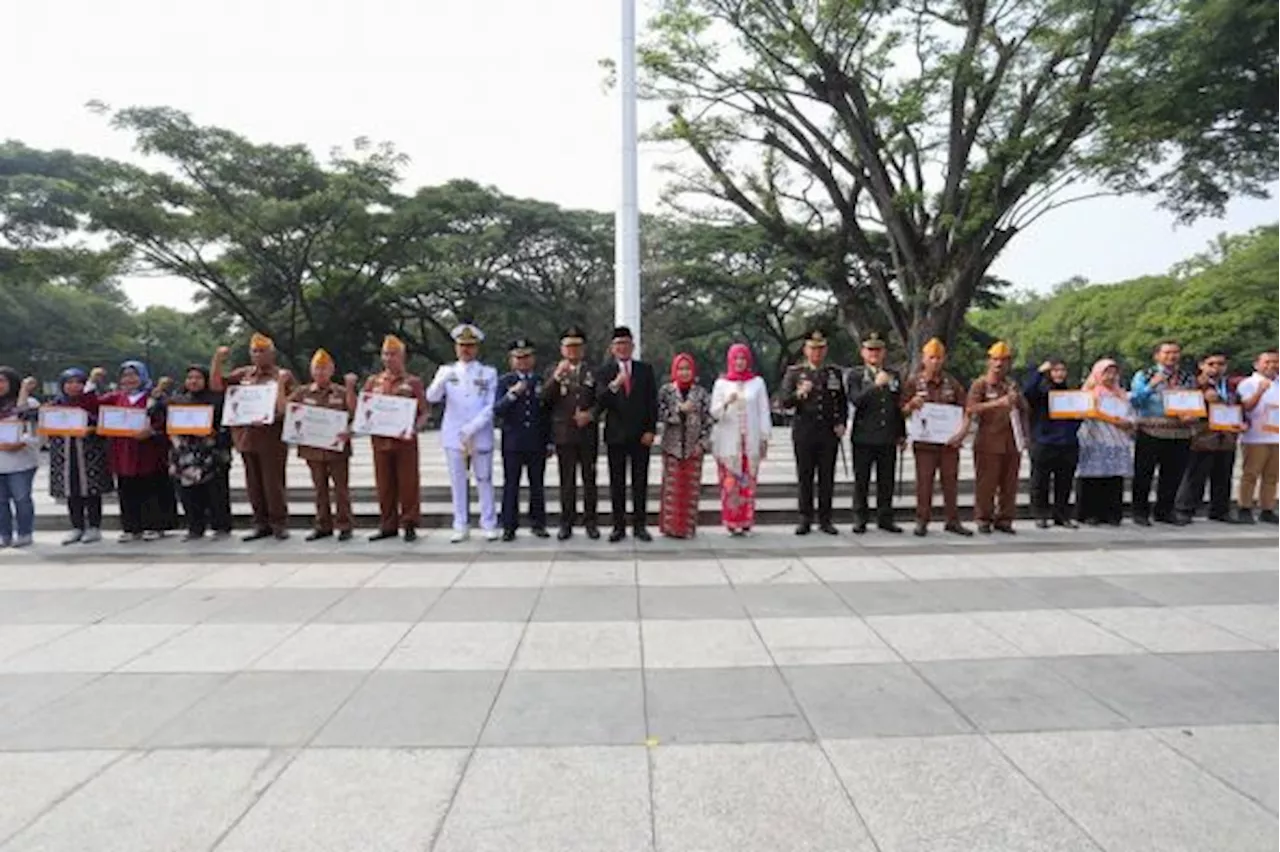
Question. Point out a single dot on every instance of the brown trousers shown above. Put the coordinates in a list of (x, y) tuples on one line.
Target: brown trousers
[(395, 474), (1261, 464), (943, 460), (995, 486), (337, 470), (264, 480)]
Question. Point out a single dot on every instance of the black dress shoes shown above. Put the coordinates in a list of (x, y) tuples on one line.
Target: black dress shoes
[(889, 527), (257, 534), (564, 534), (410, 534), (316, 535), (382, 534), (642, 534), (593, 532), (540, 532), (616, 536), (828, 528)]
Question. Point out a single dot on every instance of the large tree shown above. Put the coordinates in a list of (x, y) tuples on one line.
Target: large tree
[(951, 125)]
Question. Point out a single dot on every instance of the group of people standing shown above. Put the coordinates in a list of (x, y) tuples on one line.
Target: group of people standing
[(568, 409), (1179, 452)]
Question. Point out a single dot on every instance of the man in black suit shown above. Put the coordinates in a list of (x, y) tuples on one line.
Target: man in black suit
[(628, 396)]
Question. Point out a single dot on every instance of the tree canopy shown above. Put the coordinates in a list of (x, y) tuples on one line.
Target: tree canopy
[(943, 128)]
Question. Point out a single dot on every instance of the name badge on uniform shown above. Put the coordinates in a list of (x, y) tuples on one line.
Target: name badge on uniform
[(589, 380), (453, 379), (833, 381), (482, 385)]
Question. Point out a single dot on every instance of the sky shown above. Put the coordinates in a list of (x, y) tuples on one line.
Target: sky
[(505, 92)]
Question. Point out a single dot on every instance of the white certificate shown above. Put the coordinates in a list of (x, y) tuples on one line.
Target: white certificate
[(189, 420), (935, 423), (385, 415), (1226, 418), (63, 421), (1184, 403), (119, 421), (10, 431), (1113, 408), (1271, 419), (250, 405), (315, 426), (1019, 435), (1070, 404)]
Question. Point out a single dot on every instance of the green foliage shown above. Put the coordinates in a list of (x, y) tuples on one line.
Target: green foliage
[(946, 127), (1223, 299)]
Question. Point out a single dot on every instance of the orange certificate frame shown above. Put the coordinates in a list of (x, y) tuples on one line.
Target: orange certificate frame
[(122, 421), (1070, 404), (1184, 403), (63, 421), (1226, 418), (1271, 419), (195, 420)]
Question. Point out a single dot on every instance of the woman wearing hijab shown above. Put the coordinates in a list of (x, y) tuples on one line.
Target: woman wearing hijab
[(1106, 452), (141, 462), (740, 437), (200, 464), (78, 468), (18, 460), (684, 411)]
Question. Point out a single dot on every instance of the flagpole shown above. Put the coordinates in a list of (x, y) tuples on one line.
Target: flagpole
[(626, 292)]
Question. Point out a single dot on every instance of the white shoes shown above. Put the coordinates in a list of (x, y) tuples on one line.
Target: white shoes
[(492, 535), (460, 536), (22, 541), (73, 536), (91, 535)]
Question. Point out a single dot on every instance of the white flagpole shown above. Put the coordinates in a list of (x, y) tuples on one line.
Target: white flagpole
[(626, 293)]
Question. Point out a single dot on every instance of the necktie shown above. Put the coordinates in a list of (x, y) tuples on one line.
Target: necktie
[(626, 377)]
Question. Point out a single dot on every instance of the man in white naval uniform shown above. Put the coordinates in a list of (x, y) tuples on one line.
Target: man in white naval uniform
[(468, 390)]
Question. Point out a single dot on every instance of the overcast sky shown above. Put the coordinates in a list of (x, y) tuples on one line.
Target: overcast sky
[(505, 92)]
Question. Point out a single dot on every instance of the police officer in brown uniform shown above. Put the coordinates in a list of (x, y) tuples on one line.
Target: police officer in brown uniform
[(395, 460), (995, 401), (570, 393), (815, 391), (931, 384), (261, 447), (329, 466)]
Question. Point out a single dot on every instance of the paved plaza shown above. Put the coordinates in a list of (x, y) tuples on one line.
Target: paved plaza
[(1059, 690)]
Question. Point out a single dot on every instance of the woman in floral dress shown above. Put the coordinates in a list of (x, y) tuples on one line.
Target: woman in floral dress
[(683, 409)]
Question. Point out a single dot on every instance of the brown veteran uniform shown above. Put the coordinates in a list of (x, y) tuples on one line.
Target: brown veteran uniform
[(935, 459), (577, 447), (395, 460), (328, 465), (264, 453), (996, 454)]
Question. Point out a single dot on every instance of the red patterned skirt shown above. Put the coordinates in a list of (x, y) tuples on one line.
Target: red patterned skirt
[(681, 482), (738, 493)]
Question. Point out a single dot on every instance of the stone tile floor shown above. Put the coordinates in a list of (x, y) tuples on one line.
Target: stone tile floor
[(1095, 690)]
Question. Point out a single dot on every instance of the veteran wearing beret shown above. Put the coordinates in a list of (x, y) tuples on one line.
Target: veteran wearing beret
[(395, 459), (261, 446)]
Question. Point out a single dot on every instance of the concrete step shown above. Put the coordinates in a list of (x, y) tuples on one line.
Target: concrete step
[(439, 514)]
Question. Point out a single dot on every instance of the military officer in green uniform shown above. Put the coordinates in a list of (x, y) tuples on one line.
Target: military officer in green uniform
[(877, 429), (815, 392)]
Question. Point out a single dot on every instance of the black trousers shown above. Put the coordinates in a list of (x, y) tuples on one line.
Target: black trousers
[(513, 464), (1169, 456), (881, 458), (1213, 468), (85, 512), (1100, 499), (208, 505), (816, 457), (572, 458), (635, 456), (147, 503), (1053, 469)]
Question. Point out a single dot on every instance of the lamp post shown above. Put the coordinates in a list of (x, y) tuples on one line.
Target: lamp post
[(626, 263)]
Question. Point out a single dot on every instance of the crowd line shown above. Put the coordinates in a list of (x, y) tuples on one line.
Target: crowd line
[(156, 445)]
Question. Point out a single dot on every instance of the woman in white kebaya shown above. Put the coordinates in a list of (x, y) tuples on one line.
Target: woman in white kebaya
[(740, 437)]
